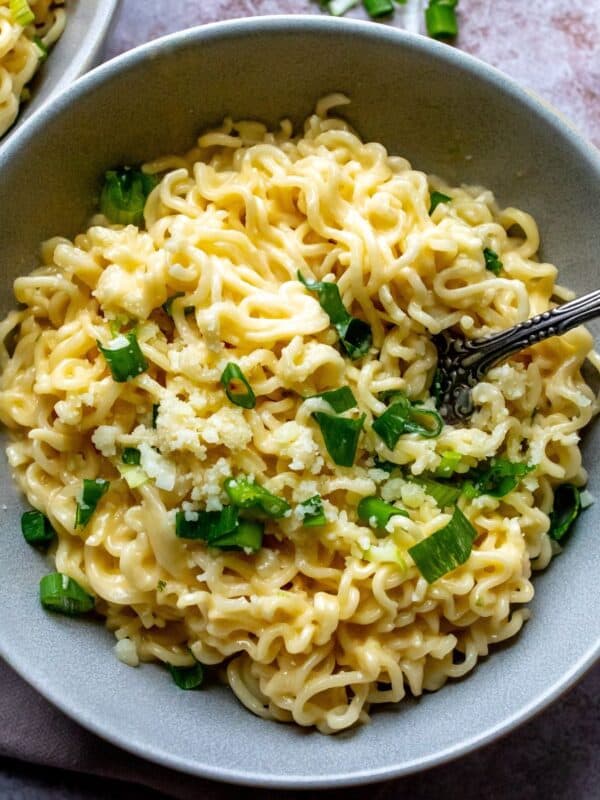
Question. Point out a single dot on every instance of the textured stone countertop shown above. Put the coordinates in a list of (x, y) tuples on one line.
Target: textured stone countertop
[(553, 48)]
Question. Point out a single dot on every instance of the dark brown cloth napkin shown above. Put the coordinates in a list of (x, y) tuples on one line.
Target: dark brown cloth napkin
[(555, 755)]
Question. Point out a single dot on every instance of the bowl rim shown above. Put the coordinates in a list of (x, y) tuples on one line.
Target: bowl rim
[(83, 59), (266, 25)]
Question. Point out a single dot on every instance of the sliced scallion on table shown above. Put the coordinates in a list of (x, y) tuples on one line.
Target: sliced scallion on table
[(377, 513), (36, 528), (492, 261), (93, 490), (64, 595), (404, 416), (124, 194), (440, 19), (340, 399), (446, 549), (237, 388), (187, 677), (21, 12), (341, 435), (312, 511), (378, 8), (243, 493), (337, 8), (566, 509), (124, 357), (435, 198), (355, 334)]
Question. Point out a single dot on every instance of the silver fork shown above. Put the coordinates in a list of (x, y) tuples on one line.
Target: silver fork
[(463, 362)]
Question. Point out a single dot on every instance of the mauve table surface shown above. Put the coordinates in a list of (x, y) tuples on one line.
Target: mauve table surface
[(551, 47)]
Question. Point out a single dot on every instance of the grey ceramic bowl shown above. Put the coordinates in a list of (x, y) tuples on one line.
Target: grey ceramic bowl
[(74, 53), (449, 114)]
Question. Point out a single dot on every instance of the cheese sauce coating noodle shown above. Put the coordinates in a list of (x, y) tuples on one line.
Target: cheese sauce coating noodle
[(324, 622), (20, 55)]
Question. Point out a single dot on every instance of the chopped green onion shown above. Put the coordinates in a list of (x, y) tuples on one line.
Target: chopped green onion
[(21, 12), (124, 195), (340, 435), (131, 455), (337, 8), (168, 304), (42, 49), (403, 416), (133, 475), (245, 494), (124, 357), (155, 407), (355, 334), (377, 513), (386, 466), (206, 525), (446, 549), (161, 585), (91, 493), (237, 388), (187, 677), (440, 19), (313, 513), (387, 552), (435, 198), (247, 536), (444, 494), (340, 399), (36, 528), (447, 467), (496, 479), (378, 8), (62, 594), (492, 261), (566, 509)]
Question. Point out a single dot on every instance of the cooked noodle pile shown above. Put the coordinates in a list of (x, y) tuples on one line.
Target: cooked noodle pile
[(321, 622), (22, 49)]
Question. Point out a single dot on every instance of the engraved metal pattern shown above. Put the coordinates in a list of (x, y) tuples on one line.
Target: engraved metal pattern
[(462, 362)]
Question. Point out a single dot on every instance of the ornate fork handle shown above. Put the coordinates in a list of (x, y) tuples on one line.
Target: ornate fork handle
[(462, 362)]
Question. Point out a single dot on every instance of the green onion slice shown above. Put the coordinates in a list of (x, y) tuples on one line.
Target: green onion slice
[(206, 525), (444, 494), (447, 467), (337, 8), (133, 475), (187, 677), (440, 19), (566, 509), (435, 198), (340, 399), (92, 491), (341, 436), (403, 416), (496, 479), (21, 12), (237, 388), (131, 455), (314, 515), (492, 261), (377, 513), (124, 194), (247, 536), (168, 304), (42, 48), (245, 494), (36, 528), (62, 594), (378, 8), (355, 334), (445, 549), (124, 357)]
